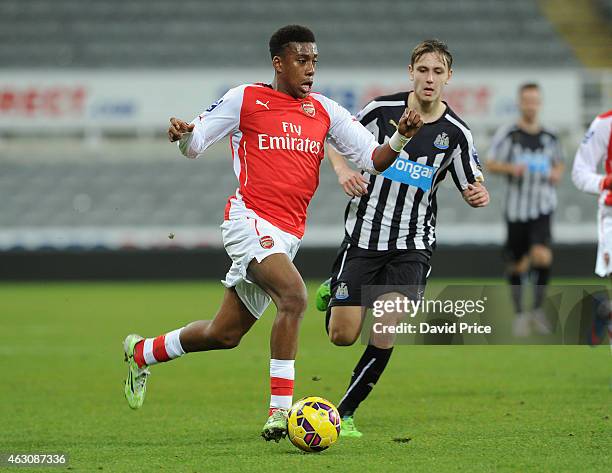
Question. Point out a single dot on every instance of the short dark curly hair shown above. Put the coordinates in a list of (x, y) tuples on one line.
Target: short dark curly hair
[(289, 34)]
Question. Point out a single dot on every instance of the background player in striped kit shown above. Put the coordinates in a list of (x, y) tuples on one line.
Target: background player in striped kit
[(277, 133), (390, 220), (595, 151), (531, 158)]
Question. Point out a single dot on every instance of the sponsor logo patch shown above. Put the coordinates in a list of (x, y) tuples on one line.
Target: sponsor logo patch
[(536, 162), (411, 173), (475, 156), (214, 105), (266, 242), (308, 109)]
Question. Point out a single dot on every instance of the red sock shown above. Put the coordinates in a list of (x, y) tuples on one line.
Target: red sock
[(159, 349), (139, 355), (282, 374)]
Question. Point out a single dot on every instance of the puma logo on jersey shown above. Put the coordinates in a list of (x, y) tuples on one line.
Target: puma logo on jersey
[(393, 123), (259, 102)]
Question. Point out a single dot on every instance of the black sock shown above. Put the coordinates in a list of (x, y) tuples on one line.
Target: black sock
[(541, 278), (516, 288), (369, 368)]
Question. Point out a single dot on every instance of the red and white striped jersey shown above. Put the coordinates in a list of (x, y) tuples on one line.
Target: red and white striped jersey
[(596, 148), (277, 145)]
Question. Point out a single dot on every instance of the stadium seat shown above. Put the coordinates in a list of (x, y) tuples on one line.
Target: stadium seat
[(141, 33)]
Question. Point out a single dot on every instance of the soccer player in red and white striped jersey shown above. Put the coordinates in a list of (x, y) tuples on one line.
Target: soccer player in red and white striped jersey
[(595, 152), (277, 133)]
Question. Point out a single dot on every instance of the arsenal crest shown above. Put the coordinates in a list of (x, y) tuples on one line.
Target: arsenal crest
[(266, 242), (308, 108)]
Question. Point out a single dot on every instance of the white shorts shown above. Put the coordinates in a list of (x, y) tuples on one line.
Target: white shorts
[(603, 265), (246, 238)]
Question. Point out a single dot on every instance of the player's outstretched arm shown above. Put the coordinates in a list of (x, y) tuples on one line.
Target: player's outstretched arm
[(352, 182), (178, 128), (410, 123), (497, 167), (476, 195)]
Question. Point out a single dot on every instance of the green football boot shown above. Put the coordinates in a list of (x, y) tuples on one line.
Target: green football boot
[(276, 426), (348, 428), (136, 381), (323, 295)]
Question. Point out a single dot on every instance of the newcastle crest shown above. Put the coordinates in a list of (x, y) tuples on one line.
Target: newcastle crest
[(442, 141), (342, 291)]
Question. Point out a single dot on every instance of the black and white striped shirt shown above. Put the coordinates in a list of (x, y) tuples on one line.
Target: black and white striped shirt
[(532, 194), (399, 210)]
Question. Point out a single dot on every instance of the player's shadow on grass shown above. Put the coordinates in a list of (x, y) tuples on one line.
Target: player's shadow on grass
[(296, 451)]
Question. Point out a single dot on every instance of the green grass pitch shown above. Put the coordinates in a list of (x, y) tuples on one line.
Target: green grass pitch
[(452, 408)]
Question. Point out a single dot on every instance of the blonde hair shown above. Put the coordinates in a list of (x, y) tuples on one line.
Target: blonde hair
[(432, 46)]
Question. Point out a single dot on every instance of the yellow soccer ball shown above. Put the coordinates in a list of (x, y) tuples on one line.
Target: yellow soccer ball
[(314, 424)]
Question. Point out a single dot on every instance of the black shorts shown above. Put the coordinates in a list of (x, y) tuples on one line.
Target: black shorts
[(523, 235), (355, 267)]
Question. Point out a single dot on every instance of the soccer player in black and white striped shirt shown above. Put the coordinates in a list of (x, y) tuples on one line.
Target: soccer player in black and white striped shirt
[(390, 220), (531, 158)]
